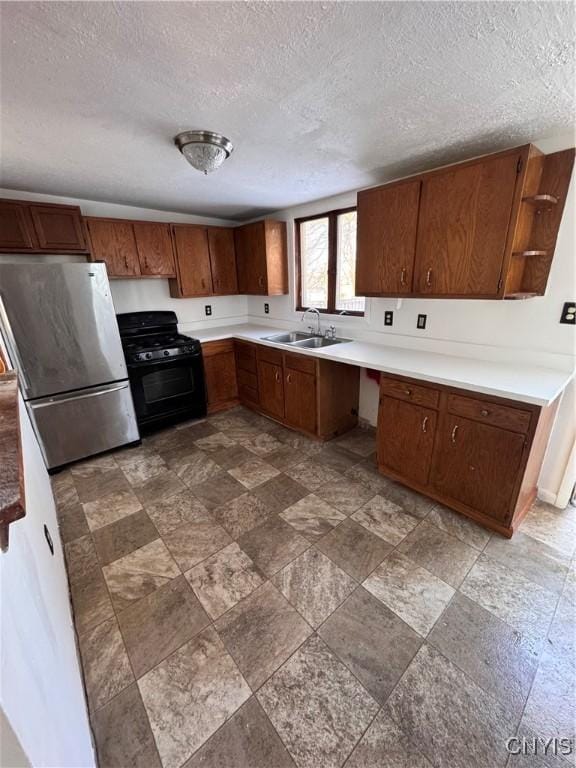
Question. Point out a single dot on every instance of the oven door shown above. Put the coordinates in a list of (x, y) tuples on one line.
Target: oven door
[(167, 391)]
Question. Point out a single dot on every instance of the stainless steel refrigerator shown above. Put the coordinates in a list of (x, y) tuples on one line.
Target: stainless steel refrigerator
[(60, 331)]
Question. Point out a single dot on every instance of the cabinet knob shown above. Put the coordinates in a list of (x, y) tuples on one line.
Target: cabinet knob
[(425, 424), (454, 433), (261, 281), (429, 277), (403, 276), (484, 412), (408, 392), (289, 379), (277, 377)]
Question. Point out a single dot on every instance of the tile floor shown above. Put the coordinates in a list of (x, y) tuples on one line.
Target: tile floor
[(246, 597)]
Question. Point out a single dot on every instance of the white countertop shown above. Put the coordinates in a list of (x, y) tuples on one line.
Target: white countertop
[(517, 381)]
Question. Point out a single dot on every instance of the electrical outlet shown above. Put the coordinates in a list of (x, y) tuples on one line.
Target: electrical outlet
[(388, 317), (568, 316), (208, 309), (266, 309), (421, 322)]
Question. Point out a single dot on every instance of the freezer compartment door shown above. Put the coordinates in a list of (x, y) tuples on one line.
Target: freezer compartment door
[(83, 423), (59, 325)]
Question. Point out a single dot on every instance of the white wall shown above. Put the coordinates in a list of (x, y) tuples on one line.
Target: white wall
[(41, 691)]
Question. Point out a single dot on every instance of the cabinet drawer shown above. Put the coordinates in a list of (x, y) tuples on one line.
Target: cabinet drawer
[(247, 379), (270, 355), (245, 356), (413, 393), (490, 413), (300, 363), (217, 347)]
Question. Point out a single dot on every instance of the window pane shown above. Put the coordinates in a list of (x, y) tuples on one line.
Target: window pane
[(314, 263), (346, 265)]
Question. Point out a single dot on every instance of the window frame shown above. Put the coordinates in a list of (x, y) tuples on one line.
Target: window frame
[(332, 217)]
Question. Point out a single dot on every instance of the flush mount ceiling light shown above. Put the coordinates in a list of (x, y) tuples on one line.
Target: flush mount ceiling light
[(204, 150)]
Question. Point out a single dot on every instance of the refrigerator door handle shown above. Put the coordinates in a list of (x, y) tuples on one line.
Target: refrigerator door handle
[(11, 345), (100, 392)]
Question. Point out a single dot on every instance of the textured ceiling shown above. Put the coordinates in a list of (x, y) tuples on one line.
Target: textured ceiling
[(318, 97)]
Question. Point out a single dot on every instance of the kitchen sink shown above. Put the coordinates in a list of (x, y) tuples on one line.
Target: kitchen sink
[(290, 338), (318, 341)]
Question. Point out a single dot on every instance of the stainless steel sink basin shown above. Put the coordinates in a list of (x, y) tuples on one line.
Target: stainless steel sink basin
[(289, 338), (318, 341)]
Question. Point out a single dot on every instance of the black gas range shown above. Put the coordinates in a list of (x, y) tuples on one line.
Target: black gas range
[(165, 369)]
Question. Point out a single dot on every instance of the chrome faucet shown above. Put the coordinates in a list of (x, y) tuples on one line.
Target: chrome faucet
[(313, 309)]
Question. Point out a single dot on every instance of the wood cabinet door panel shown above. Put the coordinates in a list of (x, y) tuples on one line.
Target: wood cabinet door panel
[(16, 228), (221, 383), (463, 227), (271, 388), (193, 260), (223, 261), (387, 224), (113, 242), (250, 242), (58, 228), (154, 248), (406, 438), (300, 400), (478, 465)]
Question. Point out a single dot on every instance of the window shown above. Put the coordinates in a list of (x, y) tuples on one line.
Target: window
[(326, 262)]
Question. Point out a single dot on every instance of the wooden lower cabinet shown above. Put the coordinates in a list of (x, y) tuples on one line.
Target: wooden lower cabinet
[(271, 388), (317, 397), (478, 465), (405, 446), (477, 454), (220, 375), (300, 400)]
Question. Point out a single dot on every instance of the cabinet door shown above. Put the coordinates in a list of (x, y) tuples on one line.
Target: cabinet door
[(220, 374), (300, 399), (58, 228), (406, 439), (154, 245), (478, 465), (271, 388), (193, 260), (16, 228), (250, 243), (463, 227), (113, 242), (223, 260), (387, 223)]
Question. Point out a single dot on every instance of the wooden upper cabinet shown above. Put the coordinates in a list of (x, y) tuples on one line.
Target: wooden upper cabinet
[(478, 465), (113, 242), (58, 227), (483, 229), (16, 227), (222, 261), (261, 257), (463, 226), (194, 277), (40, 228), (386, 239), (154, 244)]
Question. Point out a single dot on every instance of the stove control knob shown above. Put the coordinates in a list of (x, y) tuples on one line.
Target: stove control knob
[(137, 357), (166, 352), (148, 355)]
